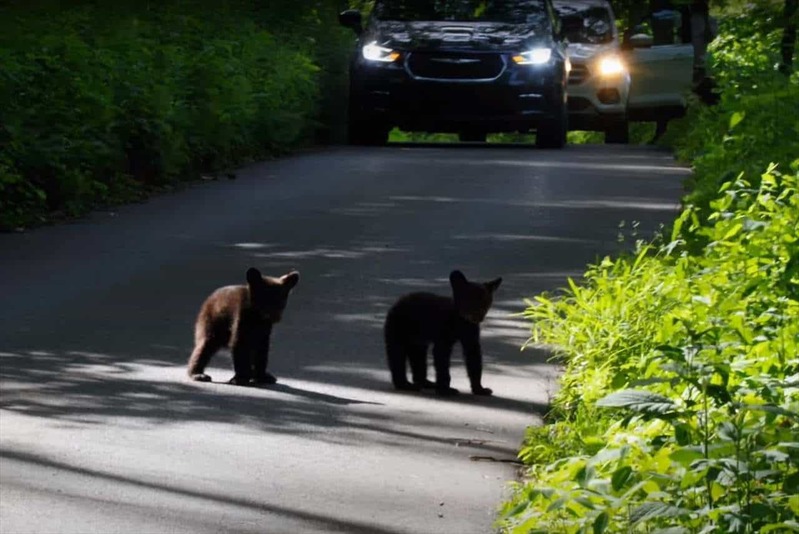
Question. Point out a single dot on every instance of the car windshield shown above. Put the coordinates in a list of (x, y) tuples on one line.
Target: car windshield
[(508, 11), (585, 23)]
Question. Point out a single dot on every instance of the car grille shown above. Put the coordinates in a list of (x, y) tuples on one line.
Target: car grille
[(578, 74), (455, 66)]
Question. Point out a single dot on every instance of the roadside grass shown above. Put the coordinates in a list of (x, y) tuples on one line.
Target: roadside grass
[(678, 409)]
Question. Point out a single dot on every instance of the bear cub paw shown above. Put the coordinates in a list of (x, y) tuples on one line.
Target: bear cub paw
[(201, 377), (266, 379), (239, 381), (407, 386)]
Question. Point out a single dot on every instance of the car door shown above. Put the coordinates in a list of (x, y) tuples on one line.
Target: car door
[(661, 67)]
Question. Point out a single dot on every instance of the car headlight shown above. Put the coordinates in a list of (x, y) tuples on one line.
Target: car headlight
[(611, 66), (375, 52), (536, 56)]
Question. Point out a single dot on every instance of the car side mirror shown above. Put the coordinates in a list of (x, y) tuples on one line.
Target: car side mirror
[(641, 40), (351, 18)]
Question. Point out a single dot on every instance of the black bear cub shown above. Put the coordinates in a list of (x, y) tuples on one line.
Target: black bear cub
[(418, 320), (241, 317)]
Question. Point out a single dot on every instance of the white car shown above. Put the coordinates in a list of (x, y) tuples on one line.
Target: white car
[(642, 78)]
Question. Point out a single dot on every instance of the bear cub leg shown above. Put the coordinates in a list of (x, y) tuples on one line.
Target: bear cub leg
[(200, 356), (397, 357), (417, 356), (260, 360)]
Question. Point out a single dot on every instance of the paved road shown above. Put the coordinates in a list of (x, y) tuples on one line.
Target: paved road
[(100, 432)]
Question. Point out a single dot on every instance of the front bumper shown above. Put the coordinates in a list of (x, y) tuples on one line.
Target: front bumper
[(595, 101), (517, 99)]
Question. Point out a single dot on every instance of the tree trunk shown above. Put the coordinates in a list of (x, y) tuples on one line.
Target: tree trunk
[(788, 44)]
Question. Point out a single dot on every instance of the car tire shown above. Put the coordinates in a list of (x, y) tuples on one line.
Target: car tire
[(472, 137), (617, 133), (552, 132), (364, 132)]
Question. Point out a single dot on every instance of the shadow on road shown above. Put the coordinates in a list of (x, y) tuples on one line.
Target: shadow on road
[(91, 388), (315, 396), (259, 506)]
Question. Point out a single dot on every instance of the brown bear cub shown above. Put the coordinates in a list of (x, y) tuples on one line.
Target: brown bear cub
[(241, 317), (418, 320)]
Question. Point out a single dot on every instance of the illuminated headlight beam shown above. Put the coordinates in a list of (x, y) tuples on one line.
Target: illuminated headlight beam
[(536, 56), (611, 66), (375, 52)]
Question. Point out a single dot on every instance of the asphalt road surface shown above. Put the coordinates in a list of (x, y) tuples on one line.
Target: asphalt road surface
[(101, 432)]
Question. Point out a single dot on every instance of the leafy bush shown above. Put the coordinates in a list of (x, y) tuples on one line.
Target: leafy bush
[(102, 102), (679, 404), (681, 391), (756, 121)]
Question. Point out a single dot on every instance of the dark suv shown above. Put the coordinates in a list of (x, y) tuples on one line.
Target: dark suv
[(469, 67)]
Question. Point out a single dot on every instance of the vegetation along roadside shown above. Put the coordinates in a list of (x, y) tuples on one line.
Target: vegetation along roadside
[(678, 409), (105, 102)]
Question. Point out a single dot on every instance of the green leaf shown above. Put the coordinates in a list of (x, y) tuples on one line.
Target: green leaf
[(638, 401), (728, 431), (774, 455), (519, 508), (620, 477), (770, 408), (655, 510), (732, 231), (556, 505), (685, 456), (584, 475), (601, 523), (736, 118), (683, 434)]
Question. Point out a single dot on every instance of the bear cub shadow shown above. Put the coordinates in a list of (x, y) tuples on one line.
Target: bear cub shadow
[(240, 317), (421, 319)]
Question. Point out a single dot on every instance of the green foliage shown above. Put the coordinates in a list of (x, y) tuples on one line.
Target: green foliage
[(679, 404), (757, 120), (102, 102), (400, 136), (680, 399)]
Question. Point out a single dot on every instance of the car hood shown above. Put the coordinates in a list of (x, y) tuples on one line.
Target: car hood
[(473, 36), (585, 52)]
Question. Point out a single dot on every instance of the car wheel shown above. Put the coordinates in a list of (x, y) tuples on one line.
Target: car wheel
[(617, 132), (361, 131), (472, 137), (552, 133)]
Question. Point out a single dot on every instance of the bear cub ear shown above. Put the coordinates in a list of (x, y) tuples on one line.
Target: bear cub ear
[(254, 276), (493, 284), (456, 278), (290, 280)]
